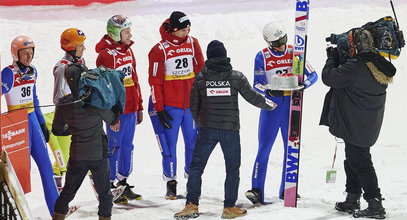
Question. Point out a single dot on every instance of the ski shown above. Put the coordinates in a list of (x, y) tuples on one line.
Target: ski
[(116, 192), (72, 210), (294, 132)]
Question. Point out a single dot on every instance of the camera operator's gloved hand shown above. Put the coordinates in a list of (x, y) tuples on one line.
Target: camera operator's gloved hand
[(333, 54), (274, 93), (45, 131), (164, 118)]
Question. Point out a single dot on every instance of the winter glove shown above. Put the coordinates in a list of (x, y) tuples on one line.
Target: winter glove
[(306, 84), (117, 109), (274, 93), (164, 118), (45, 131), (139, 117), (333, 54)]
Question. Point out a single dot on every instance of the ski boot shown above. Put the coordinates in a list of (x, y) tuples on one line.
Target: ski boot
[(121, 200), (374, 210), (128, 193), (233, 212), (171, 190), (254, 195), (190, 211), (351, 203)]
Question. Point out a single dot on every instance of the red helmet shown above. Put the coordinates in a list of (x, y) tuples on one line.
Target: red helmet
[(71, 38), (20, 42)]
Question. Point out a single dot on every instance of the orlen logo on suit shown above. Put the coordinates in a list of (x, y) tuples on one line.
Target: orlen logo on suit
[(124, 59), (225, 91)]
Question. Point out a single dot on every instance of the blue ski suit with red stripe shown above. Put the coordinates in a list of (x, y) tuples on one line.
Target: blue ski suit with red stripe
[(267, 63), (20, 92)]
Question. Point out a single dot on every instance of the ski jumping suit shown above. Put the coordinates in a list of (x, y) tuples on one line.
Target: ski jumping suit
[(173, 63), (60, 144), (20, 92), (269, 62), (120, 57)]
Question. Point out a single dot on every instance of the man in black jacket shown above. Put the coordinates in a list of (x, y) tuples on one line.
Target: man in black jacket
[(353, 110), (214, 106), (88, 150)]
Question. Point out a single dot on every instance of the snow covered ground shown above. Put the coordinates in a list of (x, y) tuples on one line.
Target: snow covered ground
[(238, 24)]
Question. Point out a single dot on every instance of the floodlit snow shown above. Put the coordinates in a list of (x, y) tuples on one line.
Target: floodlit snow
[(238, 24)]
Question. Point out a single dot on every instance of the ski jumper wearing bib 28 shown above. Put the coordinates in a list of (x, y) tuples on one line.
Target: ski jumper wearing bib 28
[(173, 63), (269, 62), (120, 57), (21, 93)]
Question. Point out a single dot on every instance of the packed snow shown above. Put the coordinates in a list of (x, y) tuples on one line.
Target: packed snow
[(238, 24)]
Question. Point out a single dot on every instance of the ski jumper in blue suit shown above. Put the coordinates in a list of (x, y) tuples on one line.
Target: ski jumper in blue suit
[(269, 62), (20, 92)]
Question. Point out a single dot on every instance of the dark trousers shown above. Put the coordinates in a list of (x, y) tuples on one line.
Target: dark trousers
[(206, 141), (360, 173), (76, 172)]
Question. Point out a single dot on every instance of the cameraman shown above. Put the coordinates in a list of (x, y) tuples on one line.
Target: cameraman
[(353, 110)]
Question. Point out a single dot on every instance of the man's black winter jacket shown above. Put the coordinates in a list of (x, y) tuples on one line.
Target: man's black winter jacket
[(214, 95)]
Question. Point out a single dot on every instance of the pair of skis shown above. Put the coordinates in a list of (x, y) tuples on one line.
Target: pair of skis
[(294, 132)]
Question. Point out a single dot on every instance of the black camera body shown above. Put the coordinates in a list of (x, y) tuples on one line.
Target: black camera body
[(387, 39)]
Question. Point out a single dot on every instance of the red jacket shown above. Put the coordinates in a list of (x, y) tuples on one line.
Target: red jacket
[(120, 57), (173, 63)]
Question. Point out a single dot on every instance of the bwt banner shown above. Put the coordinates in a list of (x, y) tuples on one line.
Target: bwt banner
[(14, 135), (55, 2)]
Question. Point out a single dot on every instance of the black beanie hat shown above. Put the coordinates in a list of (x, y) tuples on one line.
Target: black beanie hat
[(178, 21), (216, 49)]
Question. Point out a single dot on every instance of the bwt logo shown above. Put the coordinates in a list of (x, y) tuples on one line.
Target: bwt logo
[(299, 41)]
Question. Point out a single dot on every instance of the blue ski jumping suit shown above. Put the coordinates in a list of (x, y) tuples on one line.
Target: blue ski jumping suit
[(20, 92), (267, 63)]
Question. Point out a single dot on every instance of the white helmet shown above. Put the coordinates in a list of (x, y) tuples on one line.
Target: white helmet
[(274, 34)]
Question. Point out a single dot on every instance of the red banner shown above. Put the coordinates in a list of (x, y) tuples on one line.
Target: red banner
[(55, 2), (14, 135)]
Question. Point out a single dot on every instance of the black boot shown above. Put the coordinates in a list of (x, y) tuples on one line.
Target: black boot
[(351, 203), (374, 210), (171, 190), (254, 195)]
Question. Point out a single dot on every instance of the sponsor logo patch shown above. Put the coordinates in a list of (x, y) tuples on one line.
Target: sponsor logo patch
[(218, 91)]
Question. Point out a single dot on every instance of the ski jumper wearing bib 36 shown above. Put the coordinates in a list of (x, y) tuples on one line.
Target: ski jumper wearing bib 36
[(21, 93), (120, 57), (173, 63), (269, 62)]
